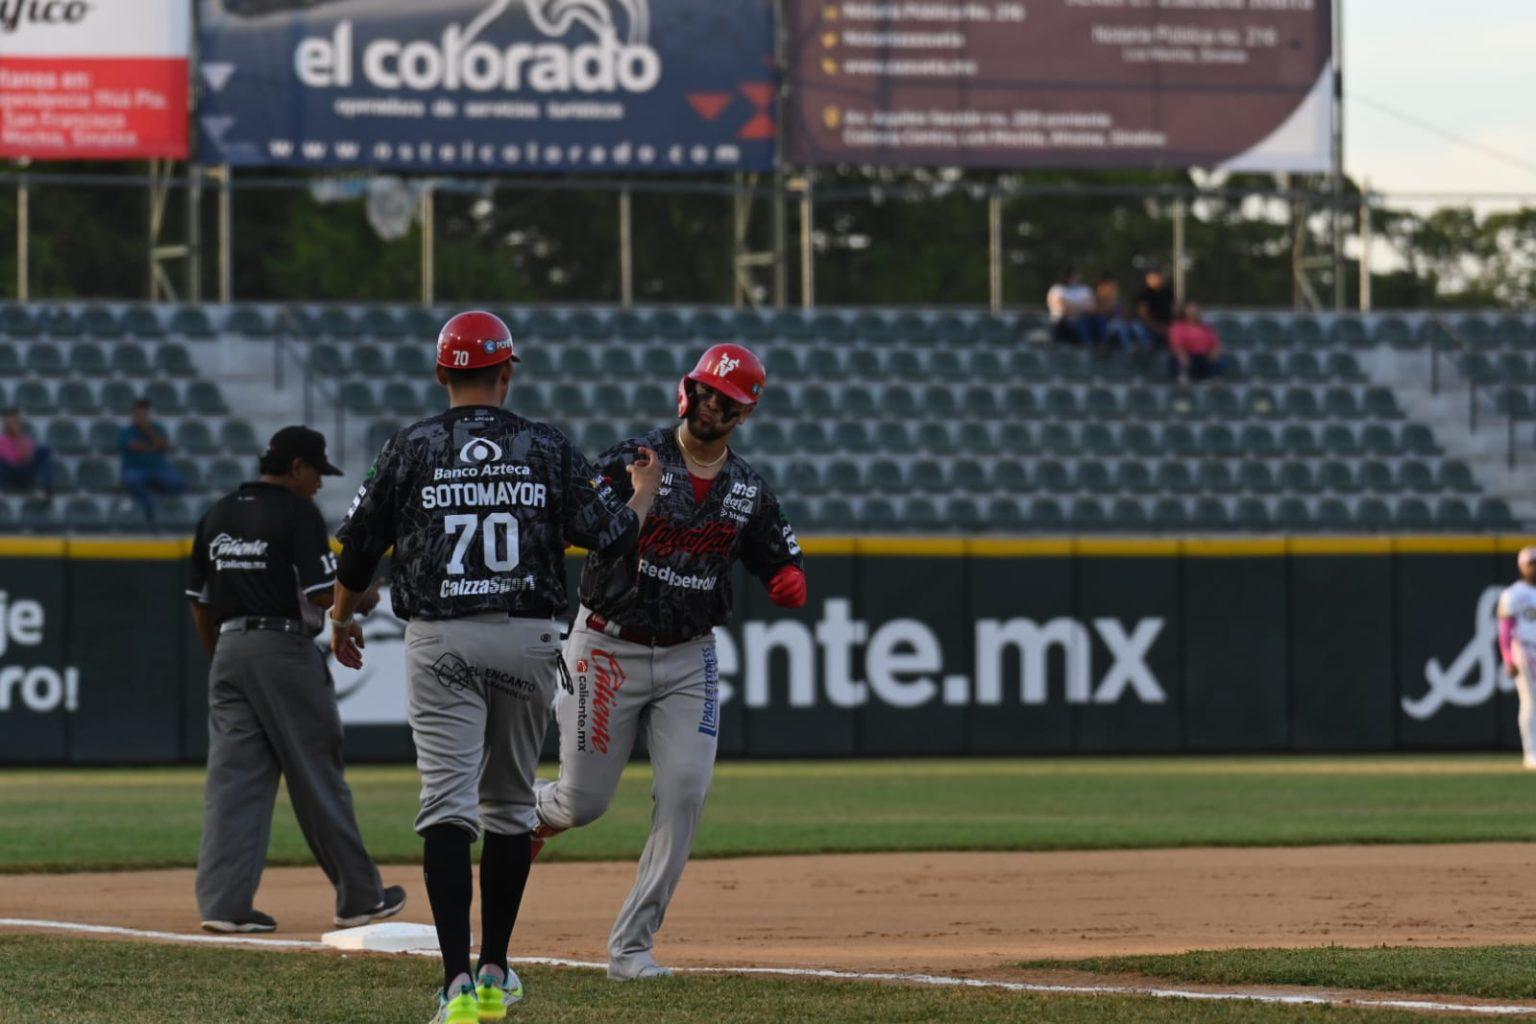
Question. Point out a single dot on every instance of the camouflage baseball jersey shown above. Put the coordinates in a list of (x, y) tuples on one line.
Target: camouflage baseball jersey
[(479, 504), (676, 583)]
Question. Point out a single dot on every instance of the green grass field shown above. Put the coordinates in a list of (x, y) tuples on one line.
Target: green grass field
[(140, 818), (78, 819), (47, 980)]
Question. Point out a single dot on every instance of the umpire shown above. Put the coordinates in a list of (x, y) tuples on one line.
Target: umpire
[(261, 576)]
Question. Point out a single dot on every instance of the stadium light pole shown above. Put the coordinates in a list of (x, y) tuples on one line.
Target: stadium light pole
[(1338, 155), (1178, 249), (807, 249), (626, 248), (428, 248), (226, 233), (995, 250), (1365, 247)]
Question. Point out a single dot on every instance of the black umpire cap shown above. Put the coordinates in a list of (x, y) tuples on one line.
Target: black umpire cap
[(298, 443)]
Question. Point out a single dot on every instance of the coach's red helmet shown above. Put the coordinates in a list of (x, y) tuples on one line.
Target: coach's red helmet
[(731, 370), (475, 339)]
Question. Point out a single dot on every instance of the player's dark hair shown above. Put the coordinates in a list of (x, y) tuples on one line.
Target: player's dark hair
[(480, 377)]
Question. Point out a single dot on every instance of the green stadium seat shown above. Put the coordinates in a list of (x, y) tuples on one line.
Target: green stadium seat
[(1349, 330), (1092, 476), (1304, 367), (898, 400), (963, 515), (65, 437), (339, 324), (1417, 439), (204, 398), (238, 438), (660, 402), (1453, 514), (1394, 331), (326, 360), (1379, 439), (189, 322), (117, 397), (577, 361), (103, 435), (381, 324), (1052, 477), (1059, 439), (1260, 403), (130, 360), (1374, 515), (1343, 366), (536, 360), (1413, 514), (1252, 515), (1292, 514), (1006, 515), (1336, 476), (1019, 401), (531, 400), (34, 398), (946, 364), (194, 437), (927, 476), (852, 437), (1217, 440), (1179, 439), (1210, 514), (985, 365), (99, 322), (1128, 516), (56, 322), (1046, 514), (1174, 477), (17, 322), (1476, 367), (1101, 403), (567, 401), (1169, 514), (357, 398), (96, 476), (1297, 478), (369, 360), (1305, 332), (894, 436), (420, 324), (1138, 439), (1215, 477), (810, 436), (620, 361), (1256, 478), (400, 399), (1259, 441), (1338, 439), (808, 479), (1333, 514), (1456, 477), (249, 321), (84, 515), (1266, 332), (865, 364), (1134, 477), (1026, 364), (1512, 330), (967, 475), (38, 515), (173, 360), (1263, 366), (1099, 440), (164, 398), (936, 436), (224, 475), (87, 359), (1381, 404), (922, 515), (1299, 439), (410, 360), (1376, 477), (1301, 404), (191, 471), (1512, 367), (980, 401), (1495, 514), (45, 359), (886, 475), (836, 515), (10, 360), (1088, 514), (878, 515), (1009, 475), (939, 401), (1416, 477), (75, 398), (612, 400), (296, 323)]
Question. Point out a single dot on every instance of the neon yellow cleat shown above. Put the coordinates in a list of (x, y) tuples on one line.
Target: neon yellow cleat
[(463, 1008), (496, 994)]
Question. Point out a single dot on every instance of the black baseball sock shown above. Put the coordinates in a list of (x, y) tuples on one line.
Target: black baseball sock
[(503, 874), (450, 890)]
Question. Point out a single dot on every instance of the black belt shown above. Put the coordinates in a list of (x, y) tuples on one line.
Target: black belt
[(250, 622), (636, 636)]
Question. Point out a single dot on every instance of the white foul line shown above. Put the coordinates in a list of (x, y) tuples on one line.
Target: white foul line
[(935, 980)]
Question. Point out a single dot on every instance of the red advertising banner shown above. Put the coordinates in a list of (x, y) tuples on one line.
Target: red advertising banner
[(94, 81), (1230, 84)]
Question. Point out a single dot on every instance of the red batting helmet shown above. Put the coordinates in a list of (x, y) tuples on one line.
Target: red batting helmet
[(474, 339), (731, 370)]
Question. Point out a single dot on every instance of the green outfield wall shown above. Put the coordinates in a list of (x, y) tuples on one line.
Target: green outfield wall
[(908, 646)]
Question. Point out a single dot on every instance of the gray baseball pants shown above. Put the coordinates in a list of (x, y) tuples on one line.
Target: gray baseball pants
[(620, 688), (272, 711), (480, 690)]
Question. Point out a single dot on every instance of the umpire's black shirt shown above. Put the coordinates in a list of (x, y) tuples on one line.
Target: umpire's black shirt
[(260, 550)]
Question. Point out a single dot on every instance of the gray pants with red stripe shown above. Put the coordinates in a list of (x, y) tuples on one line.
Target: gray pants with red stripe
[(620, 688)]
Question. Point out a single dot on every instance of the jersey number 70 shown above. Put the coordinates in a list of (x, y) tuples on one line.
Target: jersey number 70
[(498, 540)]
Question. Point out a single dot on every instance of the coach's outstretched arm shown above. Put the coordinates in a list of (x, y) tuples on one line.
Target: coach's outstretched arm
[(594, 517)]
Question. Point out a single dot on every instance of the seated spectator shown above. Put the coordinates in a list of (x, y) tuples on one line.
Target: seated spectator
[(1193, 347), (144, 446), (24, 464), (1074, 315), (1120, 328), (1154, 307)]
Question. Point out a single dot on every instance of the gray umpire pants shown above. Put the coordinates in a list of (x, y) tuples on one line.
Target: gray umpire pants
[(272, 711), (620, 688), (480, 689)]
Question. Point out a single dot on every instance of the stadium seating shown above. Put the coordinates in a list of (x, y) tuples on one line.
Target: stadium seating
[(874, 420)]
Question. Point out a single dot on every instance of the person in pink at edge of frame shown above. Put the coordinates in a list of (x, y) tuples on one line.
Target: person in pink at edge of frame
[(1194, 350), (1517, 643)]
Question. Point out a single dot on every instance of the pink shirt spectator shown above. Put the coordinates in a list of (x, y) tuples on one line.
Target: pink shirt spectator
[(1193, 339), (17, 451)]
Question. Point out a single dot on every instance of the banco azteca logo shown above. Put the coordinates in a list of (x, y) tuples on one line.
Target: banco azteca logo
[(478, 450)]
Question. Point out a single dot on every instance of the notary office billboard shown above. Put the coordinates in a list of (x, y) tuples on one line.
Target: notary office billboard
[(489, 85), (1237, 85)]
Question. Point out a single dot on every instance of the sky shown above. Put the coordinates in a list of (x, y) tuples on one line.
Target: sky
[(1468, 67)]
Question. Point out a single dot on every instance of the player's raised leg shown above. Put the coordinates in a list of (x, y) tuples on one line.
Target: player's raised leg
[(682, 725)]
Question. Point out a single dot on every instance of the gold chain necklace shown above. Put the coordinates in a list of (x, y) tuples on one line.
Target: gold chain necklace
[(696, 460)]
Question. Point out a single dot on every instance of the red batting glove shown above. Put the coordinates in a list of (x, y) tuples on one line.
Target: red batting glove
[(787, 588)]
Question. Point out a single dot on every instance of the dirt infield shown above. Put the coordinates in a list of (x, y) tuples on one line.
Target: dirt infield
[(956, 913)]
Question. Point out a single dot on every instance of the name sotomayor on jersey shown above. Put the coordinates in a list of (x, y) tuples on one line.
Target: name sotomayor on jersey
[(502, 493)]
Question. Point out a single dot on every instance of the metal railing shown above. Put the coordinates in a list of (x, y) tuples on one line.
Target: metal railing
[(1478, 388)]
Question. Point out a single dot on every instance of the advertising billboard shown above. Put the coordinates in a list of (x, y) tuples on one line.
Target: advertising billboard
[(1229, 84), (94, 79), (489, 85)]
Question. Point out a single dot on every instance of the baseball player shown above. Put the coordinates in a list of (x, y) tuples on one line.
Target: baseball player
[(479, 505), (1517, 643), (261, 573), (642, 651)]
